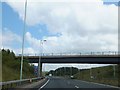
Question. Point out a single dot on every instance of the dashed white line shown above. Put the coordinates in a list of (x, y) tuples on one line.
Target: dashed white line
[(44, 85), (76, 87)]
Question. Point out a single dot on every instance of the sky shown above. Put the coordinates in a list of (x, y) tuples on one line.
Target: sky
[(68, 27)]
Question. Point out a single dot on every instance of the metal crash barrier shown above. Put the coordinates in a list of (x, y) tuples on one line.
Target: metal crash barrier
[(15, 83)]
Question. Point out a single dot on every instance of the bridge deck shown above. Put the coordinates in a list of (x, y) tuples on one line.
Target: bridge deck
[(100, 59)]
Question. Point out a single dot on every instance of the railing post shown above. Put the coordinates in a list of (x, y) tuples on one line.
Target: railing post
[(102, 53), (91, 53), (80, 53), (109, 53)]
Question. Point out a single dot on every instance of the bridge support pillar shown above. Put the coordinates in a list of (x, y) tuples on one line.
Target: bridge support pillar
[(40, 69)]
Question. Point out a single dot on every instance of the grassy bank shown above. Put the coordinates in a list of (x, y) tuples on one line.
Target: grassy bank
[(11, 67), (103, 75)]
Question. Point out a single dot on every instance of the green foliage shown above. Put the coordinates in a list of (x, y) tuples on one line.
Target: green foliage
[(101, 75), (11, 66), (64, 71)]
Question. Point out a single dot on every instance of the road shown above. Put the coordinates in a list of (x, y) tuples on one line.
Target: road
[(59, 82)]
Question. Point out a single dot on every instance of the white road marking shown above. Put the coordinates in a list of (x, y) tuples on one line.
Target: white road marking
[(44, 85), (76, 87)]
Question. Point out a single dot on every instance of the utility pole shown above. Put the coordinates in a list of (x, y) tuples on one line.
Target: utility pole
[(79, 73), (23, 41), (61, 71), (114, 70), (71, 71), (90, 71), (56, 73), (64, 71)]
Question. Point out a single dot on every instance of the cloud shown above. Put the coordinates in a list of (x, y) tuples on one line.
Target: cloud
[(9, 38), (82, 26), (31, 40), (27, 51), (0, 38), (87, 1)]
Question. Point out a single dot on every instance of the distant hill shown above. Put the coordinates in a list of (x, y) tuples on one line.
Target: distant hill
[(11, 67), (64, 71)]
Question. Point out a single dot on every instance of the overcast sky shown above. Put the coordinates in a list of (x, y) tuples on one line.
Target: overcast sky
[(67, 26)]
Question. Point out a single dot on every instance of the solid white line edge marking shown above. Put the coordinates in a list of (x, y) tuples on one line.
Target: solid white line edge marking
[(44, 84)]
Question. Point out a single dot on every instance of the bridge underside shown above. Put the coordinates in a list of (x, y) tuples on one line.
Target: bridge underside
[(94, 60), (72, 59)]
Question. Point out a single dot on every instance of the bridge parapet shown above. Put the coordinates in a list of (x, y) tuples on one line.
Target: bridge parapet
[(97, 58), (16, 83), (109, 53)]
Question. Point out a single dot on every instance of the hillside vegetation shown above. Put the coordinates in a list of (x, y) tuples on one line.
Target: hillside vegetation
[(64, 71), (103, 75), (11, 67)]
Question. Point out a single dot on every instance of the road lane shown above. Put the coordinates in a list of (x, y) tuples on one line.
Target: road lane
[(59, 82)]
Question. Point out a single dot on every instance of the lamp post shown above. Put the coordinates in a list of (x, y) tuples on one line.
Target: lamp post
[(90, 71), (40, 55), (23, 41), (114, 70), (64, 71), (70, 71)]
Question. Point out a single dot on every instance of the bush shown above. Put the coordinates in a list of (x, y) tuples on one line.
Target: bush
[(11, 66)]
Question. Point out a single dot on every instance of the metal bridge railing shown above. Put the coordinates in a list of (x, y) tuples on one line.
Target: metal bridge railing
[(15, 83), (72, 54)]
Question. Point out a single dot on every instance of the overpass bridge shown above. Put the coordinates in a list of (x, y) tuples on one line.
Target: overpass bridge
[(95, 59), (73, 58)]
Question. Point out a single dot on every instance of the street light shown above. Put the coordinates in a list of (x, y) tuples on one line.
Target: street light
[(90, 71), (40, 55), (114, 70), (64, 71), (71, 71), (23, 40)]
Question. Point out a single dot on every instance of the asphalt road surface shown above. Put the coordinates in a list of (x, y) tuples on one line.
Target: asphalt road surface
[(59, 82)]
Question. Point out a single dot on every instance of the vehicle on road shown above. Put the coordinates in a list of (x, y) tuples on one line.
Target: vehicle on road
[(50, 74), (72, 77)]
